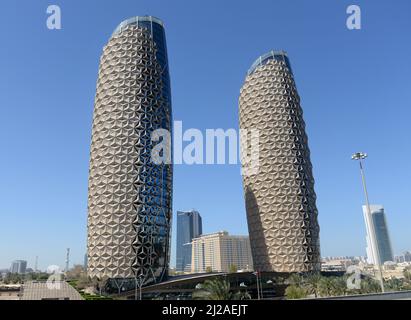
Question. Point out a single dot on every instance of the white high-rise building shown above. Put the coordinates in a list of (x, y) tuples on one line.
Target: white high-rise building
[(378, 243)]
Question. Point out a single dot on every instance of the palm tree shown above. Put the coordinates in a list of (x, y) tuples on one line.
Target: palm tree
[(295, 280), (279, 280), (369, 285), (338, 286), (100, 284), (215, 289), (394, 284), (311, 282), (407, 275), (325, 287), (295, 292), (242, 295)]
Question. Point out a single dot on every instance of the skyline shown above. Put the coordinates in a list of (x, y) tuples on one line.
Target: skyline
[(49, 228)]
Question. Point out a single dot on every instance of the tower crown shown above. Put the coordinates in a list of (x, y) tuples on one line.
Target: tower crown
[(272, 55), (138, 21)]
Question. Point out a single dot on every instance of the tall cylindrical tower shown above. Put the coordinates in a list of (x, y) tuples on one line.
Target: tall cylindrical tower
[(280, 198), (130, 197)]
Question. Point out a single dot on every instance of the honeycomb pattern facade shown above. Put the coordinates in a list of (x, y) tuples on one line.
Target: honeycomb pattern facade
[(129, 202), (280, 198)]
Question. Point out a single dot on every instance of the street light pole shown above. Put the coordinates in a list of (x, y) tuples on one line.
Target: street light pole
[(138, 286), (141, 285), (361, 156), (258, 285), (261, 288), (135, 288)]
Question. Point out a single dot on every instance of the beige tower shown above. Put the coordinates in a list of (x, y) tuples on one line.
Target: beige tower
[(220, 251), (280, 197), (129, 202)]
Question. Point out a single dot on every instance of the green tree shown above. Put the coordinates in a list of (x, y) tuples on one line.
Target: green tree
[(339, 286), (394, 284), (14, 278), (76, 272), (279, 280), (369, 285), (209, 269), (407, 275), (232, 269), (242, 295), (295, 292), (83, 282), (100, 284), (311, 283), (295, 280), (215, 289), (325, 287), (43, 276), (332, 286)]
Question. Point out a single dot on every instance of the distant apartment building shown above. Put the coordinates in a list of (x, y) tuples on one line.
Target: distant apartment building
[(18, 266), (189, 226), (219, 251), (379, 248), (339, 263), (405, 257), (4, 272)]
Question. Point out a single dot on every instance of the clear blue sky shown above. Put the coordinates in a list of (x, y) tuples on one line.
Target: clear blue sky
[(355, 88)]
